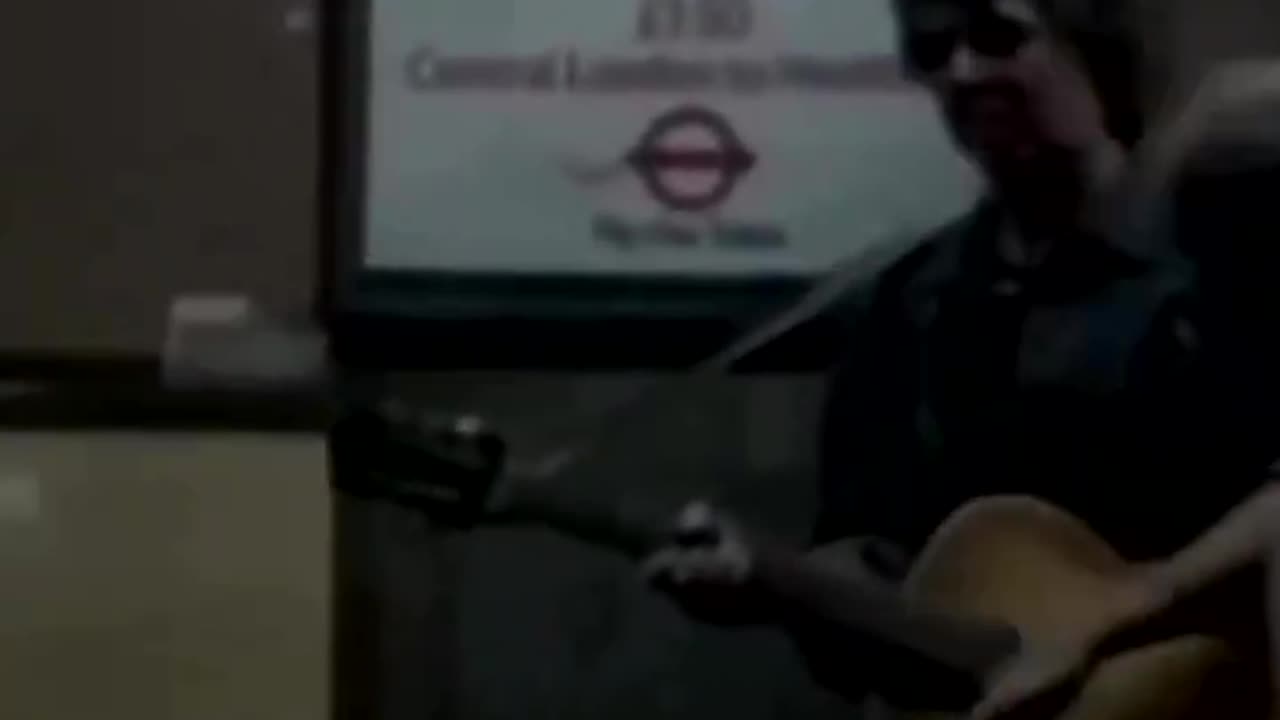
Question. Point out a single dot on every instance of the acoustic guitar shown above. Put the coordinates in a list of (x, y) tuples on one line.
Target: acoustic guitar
[(998, 575)]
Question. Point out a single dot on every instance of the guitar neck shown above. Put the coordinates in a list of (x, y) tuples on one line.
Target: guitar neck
[(852, 601), (630, 527)]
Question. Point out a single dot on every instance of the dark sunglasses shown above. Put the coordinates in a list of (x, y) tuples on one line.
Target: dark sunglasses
[(987, 33)]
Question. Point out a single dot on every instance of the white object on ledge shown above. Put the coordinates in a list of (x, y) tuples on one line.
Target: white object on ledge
[(224, 341)]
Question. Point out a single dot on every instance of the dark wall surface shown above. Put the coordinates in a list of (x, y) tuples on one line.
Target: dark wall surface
[(149, 148)]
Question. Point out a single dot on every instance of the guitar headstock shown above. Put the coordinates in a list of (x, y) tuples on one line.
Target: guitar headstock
[(447, 467)]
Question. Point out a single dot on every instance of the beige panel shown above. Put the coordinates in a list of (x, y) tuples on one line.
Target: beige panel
[(1187, 37), (163, 577), (149, 147)]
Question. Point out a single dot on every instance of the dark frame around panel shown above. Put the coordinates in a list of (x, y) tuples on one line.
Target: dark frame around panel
[(87, 391), (442, 320), (133, 404)]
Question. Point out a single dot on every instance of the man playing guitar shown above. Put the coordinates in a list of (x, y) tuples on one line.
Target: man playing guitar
[(1050, 343)]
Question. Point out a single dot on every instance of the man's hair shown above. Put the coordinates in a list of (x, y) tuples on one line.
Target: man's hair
[(1106, 37)]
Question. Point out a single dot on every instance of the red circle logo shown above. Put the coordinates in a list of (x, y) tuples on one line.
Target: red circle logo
[(690, 159)]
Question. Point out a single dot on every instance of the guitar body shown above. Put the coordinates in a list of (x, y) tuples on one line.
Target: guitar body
[(1026, 563)]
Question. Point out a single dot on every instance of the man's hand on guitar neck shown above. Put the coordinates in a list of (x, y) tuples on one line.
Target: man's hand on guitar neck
[(707, 569), (712, 566)]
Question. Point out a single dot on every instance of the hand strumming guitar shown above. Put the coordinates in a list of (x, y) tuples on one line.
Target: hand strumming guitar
[(1044, 677), (1160, 601)]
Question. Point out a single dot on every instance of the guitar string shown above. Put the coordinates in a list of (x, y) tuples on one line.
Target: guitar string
[(564, 447)]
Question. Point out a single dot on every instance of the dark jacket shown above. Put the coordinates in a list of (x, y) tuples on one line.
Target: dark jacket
[(1086, 382)]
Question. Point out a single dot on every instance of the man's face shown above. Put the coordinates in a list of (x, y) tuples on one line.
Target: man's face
[(1010, 93)]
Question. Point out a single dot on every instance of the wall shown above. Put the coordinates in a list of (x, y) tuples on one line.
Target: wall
[(163, 577), (149, 148), (1199, 33)]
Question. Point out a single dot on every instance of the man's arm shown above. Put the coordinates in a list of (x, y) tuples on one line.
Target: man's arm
[(1238, 542), (1166, 599), (1216, 141), (1172, 593)]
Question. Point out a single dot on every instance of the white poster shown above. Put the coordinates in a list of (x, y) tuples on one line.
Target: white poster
[(701, 137)]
